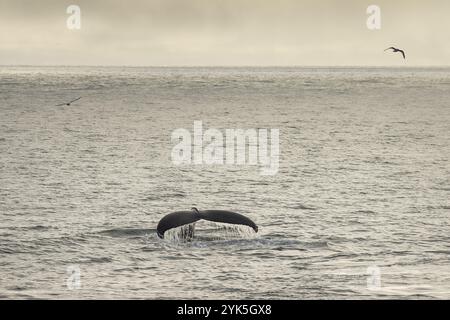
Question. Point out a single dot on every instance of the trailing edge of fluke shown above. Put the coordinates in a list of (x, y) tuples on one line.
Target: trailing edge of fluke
[(180, 218)]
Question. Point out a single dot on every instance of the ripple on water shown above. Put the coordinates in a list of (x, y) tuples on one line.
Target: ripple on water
[(126, 232)]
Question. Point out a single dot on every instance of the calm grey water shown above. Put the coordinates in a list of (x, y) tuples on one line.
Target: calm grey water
[(359, 208)]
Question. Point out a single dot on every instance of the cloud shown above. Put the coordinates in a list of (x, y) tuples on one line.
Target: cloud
[(222, 32)]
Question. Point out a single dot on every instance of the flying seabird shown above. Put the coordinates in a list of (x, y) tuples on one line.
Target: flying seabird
[(68, 103), (397, 50)]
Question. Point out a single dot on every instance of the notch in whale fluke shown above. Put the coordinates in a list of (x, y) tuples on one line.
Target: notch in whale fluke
[(180, 218)]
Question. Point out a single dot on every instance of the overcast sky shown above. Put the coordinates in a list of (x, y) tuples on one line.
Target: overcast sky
[(224, 32)]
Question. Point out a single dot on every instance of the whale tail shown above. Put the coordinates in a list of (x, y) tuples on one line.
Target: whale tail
[(176, 219), (180, 218), (230, 217)]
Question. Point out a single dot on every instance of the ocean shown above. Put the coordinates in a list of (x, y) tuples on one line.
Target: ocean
[(358, 209)]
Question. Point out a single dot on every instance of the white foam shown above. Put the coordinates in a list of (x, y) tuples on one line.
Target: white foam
[(210, 230)]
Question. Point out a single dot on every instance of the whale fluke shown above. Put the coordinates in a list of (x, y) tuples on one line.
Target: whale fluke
[(227, 217), (180, 218), (176, 219)]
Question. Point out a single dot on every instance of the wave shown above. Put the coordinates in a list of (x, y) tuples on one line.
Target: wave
[(167, 195), (300, 206), (365, 211), (126, 232)]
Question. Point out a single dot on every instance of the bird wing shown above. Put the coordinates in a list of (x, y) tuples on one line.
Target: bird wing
[(75, 100), (60, 105), (403, 53), (390, 48)]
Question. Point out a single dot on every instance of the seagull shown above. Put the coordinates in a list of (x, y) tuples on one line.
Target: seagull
[(397, 50), (68, 103)]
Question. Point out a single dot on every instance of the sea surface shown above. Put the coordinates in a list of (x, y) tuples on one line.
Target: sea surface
[(359, 208)]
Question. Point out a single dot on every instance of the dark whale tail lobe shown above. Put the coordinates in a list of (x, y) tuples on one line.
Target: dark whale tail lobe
[(180, 218), (224, 216), (176, 219)]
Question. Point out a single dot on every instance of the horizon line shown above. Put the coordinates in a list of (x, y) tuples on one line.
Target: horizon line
[(224, 66)]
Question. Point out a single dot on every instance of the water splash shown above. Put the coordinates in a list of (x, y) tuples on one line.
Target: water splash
[(227, 231), (181, 234), (209, 231)]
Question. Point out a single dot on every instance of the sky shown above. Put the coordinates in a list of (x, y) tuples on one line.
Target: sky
[(224, 33)]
